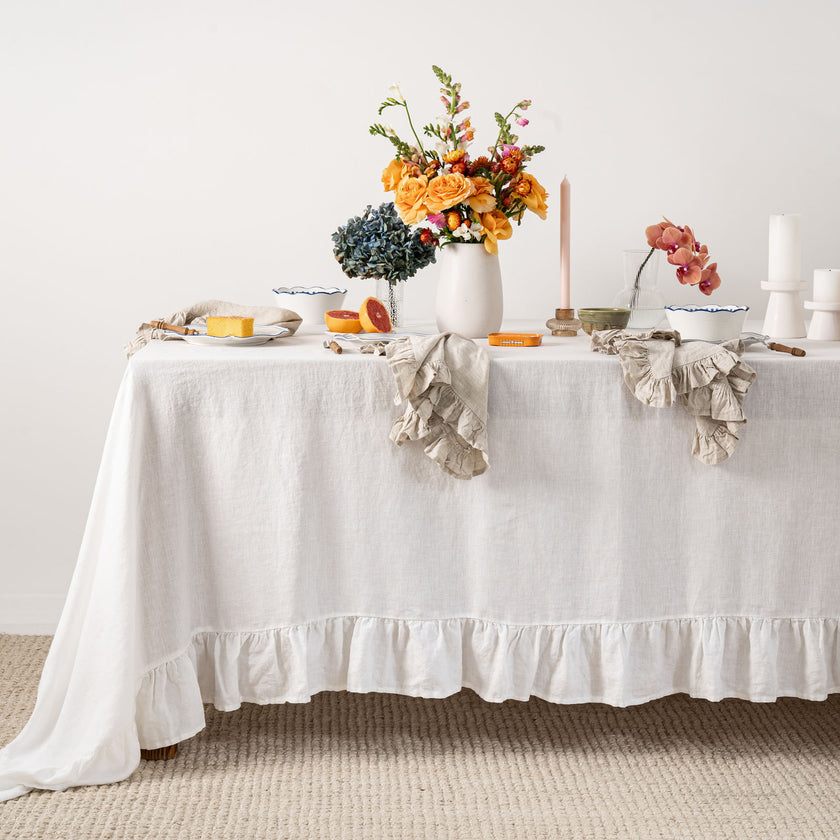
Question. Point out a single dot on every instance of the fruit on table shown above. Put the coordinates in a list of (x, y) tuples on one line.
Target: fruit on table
[(343, 320), (374, 316)]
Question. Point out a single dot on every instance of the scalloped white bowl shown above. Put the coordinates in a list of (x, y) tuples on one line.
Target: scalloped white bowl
[(707, 323), (310, 302)]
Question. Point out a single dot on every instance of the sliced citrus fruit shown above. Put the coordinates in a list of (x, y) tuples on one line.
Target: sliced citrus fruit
[(374, 316), (343, 320)]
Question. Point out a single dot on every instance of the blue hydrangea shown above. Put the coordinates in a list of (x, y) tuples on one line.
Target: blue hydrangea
[(379, 244)]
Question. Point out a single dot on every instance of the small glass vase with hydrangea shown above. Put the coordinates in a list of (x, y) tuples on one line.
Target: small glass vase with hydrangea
[(380, 245), (459, 202)]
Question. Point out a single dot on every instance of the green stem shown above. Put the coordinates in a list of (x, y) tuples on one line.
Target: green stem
[(419, 144), (499, 135)]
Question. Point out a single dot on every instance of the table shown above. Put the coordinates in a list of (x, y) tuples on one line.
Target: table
[(254, 536)]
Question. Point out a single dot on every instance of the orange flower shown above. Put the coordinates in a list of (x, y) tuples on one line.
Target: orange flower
[(392, 175), (689, 266), (395, 171), (446, 191), (496, 226), (709, 279), (535, 200), (483, 199), (454, 156), (410, 199)]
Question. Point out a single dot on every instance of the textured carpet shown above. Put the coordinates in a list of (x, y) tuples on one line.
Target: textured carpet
[(382, 766)]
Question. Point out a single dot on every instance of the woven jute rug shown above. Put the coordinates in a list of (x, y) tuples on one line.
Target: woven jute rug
[(387, 767)]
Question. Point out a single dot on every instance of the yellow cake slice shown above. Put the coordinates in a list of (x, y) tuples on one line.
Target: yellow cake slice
[(232, 325)]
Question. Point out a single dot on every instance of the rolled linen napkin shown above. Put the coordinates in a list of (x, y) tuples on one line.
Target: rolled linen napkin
[(710, 380), (444, 381), (269, 316)]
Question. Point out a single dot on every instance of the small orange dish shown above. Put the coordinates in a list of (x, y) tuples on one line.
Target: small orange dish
[(515, 339)]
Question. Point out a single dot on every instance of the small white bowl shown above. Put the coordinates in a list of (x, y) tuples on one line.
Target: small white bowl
[(310, 302), (707, 323)]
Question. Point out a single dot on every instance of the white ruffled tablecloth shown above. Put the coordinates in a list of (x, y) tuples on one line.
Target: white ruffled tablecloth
[(255, 536)]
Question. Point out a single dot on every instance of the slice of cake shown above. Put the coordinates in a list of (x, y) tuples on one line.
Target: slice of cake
[(231, 325)]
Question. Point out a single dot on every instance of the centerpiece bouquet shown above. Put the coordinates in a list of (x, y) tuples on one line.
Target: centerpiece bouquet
[(451, 196)]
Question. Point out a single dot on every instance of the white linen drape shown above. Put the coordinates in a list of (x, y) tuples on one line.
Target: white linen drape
[(255, 536)]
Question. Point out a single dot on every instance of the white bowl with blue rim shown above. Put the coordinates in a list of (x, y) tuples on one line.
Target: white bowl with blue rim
[(310, 302), (707, 323)]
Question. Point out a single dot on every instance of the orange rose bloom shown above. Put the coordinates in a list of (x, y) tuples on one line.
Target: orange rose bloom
[(496, 226), (446, 191), (454, 156), (410, 199), (392, 175), (535, 200), (483, 200), (395, 171)]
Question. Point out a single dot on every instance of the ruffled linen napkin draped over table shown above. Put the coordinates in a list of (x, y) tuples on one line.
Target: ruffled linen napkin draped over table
[(269, 316), (444, 381), (710, 380)]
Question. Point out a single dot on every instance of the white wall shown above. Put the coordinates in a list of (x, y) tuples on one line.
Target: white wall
[(156, 152)]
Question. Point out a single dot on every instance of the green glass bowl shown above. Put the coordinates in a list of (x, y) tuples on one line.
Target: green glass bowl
[(603, 318)]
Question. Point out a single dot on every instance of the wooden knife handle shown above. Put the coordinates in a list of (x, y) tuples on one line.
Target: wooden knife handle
[(162, 325), (783, 348)]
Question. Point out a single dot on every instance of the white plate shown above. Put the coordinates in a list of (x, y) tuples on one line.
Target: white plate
[(261, 335)]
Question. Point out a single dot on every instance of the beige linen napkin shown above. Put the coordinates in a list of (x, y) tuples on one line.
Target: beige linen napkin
[(444, 381), (710, 381), (269, 316)]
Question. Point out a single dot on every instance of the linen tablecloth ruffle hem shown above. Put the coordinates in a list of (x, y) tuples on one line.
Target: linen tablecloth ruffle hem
[(270, 316), (444, 381), (710, 380)]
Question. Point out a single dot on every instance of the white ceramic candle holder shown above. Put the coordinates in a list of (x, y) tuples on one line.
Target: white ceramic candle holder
[(784, 310), (825, 322)]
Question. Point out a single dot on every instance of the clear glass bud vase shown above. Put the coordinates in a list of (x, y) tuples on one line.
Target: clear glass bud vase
[(641, 294), (391, 294)]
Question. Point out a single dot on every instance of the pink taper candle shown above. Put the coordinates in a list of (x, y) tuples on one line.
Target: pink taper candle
[(565, 230)]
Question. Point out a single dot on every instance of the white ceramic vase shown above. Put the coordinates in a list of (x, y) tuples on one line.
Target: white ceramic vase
[(469, 293)]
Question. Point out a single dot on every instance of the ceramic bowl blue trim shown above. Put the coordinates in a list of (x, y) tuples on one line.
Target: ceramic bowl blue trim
[(309, 290), (710, 308)]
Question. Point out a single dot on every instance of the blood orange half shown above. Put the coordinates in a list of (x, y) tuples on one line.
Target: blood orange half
[(374, 316), (343, 320)]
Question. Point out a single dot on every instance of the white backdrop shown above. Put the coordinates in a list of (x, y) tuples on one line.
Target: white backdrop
[(154, 153)]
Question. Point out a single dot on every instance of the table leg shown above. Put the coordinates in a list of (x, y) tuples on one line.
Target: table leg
[(160, 754)]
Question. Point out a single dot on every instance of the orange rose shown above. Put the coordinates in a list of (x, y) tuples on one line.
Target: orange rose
[(535, 199), (496, 226), (395, 171), (446, 191), (392, 175), (410, 199), (483, 199), (454, 156)]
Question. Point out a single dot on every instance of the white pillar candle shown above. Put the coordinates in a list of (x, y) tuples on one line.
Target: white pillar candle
[(827, 285), (785, 258), (565, 237)]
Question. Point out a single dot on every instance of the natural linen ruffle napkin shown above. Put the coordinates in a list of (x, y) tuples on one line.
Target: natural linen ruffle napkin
[(710, 380), (269, 316), (444, 380)]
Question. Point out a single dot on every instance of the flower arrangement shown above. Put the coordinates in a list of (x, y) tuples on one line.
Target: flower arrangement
[(379, 244), (685, 252), (443, 191)]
